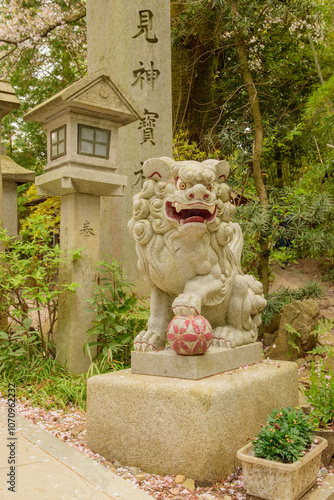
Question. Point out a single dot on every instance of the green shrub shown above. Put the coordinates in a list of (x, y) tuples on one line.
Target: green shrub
[(28, 284), (120, 316), (320, 392), (303, 219), (184, 149), (285, 437)]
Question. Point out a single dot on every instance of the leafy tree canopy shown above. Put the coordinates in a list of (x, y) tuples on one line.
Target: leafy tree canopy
[(42, 51)]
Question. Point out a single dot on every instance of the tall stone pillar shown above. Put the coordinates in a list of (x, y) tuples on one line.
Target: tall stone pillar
[(132, 40), (79, 228)]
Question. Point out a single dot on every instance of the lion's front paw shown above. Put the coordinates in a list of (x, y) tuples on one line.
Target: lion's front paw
[(148, 341), (187, 304)]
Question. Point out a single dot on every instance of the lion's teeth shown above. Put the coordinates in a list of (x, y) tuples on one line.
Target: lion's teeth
[(179, 206)]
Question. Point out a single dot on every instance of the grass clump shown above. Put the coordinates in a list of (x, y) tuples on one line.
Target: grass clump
[(39, 379)]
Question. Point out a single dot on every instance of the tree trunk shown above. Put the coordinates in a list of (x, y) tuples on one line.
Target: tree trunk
[(316, 62), (194, 62), (258, 140)]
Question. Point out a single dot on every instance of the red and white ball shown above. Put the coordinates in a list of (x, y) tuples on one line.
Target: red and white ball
[(189, 335)]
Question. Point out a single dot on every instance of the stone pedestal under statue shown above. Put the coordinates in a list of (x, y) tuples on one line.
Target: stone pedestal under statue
[(166, 425)]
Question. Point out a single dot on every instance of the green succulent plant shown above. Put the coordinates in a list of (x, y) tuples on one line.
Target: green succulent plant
[(285, 437)]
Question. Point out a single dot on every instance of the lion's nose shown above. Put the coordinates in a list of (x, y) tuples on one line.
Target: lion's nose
[(199, 192)]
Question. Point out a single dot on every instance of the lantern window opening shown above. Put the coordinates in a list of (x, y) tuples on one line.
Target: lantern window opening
[(93, 141), (58, 142)]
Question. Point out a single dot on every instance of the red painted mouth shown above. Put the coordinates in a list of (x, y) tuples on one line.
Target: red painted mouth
[(186, 215)]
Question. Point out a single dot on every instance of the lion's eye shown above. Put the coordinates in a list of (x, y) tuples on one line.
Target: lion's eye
[(209, 187), (182, 185)]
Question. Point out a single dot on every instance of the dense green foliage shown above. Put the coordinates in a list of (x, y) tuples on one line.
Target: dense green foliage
[(29, 299), (300, 218), (39, 379), (285, 437), (209, 96)]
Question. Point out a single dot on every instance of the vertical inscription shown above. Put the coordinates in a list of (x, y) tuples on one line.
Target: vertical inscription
[(146, 75)]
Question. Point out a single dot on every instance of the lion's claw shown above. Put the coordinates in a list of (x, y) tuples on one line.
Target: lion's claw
[(148, 341), (187, 304)]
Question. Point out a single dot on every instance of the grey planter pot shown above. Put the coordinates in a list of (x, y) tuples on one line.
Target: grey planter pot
[(276, 481)]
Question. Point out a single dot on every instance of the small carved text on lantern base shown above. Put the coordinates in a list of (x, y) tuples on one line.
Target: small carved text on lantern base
[(189, 335)]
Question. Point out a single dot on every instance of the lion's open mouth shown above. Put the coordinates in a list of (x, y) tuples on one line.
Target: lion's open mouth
[(196, 212)]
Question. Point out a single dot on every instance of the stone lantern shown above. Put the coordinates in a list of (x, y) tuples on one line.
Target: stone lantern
[(13, 175), (8, 102), (8, 99), (82, 125)]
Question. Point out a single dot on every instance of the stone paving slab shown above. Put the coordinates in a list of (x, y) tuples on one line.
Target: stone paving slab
[(325, 492), (47, 468)]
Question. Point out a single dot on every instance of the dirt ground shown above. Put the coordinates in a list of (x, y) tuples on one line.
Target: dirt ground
[(298, 275)]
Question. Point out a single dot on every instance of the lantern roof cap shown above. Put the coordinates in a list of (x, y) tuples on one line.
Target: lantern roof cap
[(13, 172), (97, 92), (8, 99)]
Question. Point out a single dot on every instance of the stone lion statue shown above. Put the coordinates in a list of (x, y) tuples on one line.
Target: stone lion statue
[(190, 252)]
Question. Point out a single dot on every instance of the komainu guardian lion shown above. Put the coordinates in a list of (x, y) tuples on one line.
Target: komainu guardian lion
[(190, 252)]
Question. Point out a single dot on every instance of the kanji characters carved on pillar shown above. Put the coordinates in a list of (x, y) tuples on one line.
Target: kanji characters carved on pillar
[(146, 25), (147, 125), (143, 75)]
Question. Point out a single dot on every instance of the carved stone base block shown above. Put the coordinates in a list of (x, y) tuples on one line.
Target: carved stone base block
[(189, 427), (216, 360)]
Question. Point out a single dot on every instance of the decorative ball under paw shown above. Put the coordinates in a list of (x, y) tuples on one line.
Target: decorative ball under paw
[(189, 335)]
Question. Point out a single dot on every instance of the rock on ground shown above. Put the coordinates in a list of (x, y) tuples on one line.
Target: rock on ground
[(303, 317)]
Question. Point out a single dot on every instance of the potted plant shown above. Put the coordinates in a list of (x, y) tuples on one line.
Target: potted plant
[(320, 393), (283, 461)]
